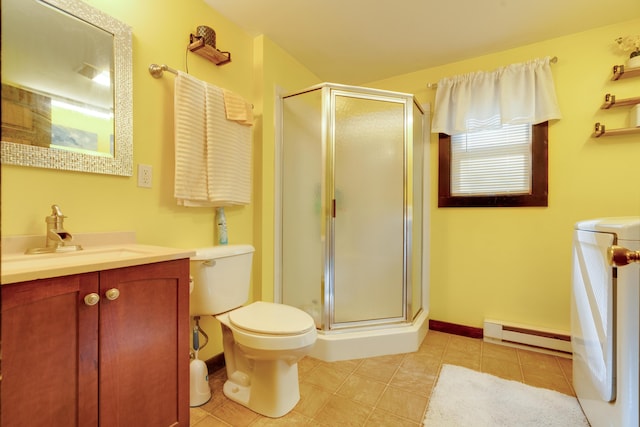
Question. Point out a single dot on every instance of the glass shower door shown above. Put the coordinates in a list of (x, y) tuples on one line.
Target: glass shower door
[(303, 242), (368, 224)]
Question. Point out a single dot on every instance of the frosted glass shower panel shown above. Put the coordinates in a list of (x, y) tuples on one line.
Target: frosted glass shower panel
[(302, 203), (369, 150), (416, 201)]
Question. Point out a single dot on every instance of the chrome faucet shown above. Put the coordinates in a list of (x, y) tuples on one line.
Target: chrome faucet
[(57, 238)]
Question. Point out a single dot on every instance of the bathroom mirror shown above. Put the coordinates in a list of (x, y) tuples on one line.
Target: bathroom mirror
[(56, 112)]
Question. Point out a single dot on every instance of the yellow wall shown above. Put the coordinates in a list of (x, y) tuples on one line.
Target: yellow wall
[(277, 73), (514, 264), (511, 264)]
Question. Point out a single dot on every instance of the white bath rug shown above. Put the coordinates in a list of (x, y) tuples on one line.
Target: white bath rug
[(463, 397)]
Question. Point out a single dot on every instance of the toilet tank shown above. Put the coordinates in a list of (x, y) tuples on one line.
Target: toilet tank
[(221, 277)]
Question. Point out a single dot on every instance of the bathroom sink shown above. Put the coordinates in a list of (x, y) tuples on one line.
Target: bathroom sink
[(21, 267), (60, 258)]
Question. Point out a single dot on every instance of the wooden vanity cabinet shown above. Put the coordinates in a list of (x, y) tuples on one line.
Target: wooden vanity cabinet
[(49, 353), (121, 362)]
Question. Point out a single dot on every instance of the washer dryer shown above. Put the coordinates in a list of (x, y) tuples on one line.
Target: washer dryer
[(605, 320)]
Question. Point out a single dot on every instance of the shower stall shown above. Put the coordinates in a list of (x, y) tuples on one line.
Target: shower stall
[(352, 218)]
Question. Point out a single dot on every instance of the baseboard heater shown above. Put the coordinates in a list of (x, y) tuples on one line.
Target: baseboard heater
[(522, 336)]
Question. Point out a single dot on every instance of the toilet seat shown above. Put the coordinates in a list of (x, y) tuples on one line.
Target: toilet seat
[(269, 326), (271, 319)]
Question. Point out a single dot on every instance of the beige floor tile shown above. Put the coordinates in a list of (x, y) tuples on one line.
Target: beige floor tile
[(381, 418), (346, 365), (343, 412), (361, 389), (196, 414), (403, 404), (414, 381), (539, 362), (435, 339), (464, 359), (567, 367), (422, 362), (501, 352), (306, 365), (292, 419), (326, 376), (210, 421), (464, 345), (502, 368), (380, 368), (312, 399), (234, 414), (546, 380)]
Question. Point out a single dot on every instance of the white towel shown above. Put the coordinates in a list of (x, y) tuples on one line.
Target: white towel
[(213, 155), (228, 154), (190, 149)]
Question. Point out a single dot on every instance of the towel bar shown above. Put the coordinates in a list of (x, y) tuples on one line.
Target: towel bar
[(156, 70)]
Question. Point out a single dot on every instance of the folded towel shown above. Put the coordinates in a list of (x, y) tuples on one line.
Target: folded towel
[(237, 109), (228, 154), (213, 154), (190, 148)]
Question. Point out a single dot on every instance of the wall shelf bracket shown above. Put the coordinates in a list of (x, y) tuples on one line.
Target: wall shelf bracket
[(198, 46)]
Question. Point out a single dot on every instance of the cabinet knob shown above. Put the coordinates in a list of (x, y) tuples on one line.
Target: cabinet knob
[(91, 299), (112, 294)]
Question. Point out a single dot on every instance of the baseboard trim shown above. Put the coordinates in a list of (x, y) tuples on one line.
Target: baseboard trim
[(215, 363), (452, 328)]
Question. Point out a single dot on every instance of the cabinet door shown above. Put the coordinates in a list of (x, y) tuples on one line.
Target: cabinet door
[(49, 353), (144, 345)]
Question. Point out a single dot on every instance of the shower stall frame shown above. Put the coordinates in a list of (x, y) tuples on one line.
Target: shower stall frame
[(369, 337)]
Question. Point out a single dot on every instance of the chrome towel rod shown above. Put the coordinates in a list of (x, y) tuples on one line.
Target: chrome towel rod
[(156, 70), (435, 85)]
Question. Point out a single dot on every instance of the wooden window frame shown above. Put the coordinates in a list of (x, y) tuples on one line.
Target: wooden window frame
[(539, 177)]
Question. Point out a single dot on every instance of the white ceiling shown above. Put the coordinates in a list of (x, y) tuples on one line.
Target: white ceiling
[(359, 41)]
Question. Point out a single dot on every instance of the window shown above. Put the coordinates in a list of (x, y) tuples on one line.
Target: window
[(491, 168)]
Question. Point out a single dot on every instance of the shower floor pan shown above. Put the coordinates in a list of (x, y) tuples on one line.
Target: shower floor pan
[(358, 344)]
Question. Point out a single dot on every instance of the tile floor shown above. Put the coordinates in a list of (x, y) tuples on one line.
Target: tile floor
[(389, 390)]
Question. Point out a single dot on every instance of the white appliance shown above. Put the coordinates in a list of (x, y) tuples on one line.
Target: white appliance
[(605, 320)]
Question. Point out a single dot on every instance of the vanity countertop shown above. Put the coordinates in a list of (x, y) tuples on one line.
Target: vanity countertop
[(18, 267)]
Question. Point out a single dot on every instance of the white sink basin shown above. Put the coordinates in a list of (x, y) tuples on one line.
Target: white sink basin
[(61, 258), (22, 267)]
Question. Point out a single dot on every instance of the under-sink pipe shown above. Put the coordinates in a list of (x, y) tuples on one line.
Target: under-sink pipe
[(196, 331)]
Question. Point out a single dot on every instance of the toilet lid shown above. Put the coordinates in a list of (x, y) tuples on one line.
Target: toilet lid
[(270, 318)]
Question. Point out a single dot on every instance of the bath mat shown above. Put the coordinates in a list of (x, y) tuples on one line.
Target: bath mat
[(463, 397)]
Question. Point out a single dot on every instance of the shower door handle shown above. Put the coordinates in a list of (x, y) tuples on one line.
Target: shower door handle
[(619, 256), (333, 208)]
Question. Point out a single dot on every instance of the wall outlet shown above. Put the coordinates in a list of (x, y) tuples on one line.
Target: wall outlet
[(144, 176)]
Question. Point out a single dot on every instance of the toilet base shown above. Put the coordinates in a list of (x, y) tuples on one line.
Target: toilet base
[(273, 390)]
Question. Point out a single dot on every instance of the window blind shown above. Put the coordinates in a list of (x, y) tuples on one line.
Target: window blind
[(492, 162)]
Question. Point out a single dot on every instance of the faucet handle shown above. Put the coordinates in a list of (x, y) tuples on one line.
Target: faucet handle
[(55, 211)]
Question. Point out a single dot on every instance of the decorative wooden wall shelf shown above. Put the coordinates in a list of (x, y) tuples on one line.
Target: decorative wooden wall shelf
[(600, 131), (198, 46), (619, 72), (611, 101)]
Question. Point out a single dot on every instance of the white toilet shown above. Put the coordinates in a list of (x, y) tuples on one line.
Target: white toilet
[(262, 341)]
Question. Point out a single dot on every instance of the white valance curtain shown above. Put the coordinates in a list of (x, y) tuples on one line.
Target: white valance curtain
[(515, 94)]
